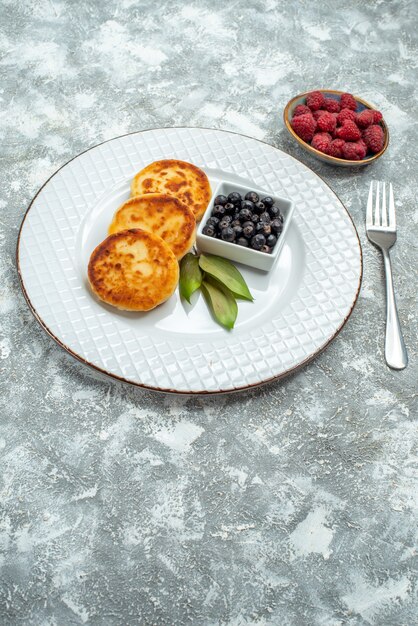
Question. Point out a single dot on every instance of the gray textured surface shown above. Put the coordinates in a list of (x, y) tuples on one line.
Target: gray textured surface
[(295, 504)]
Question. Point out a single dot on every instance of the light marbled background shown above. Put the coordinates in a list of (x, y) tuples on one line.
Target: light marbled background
[(294, 504)]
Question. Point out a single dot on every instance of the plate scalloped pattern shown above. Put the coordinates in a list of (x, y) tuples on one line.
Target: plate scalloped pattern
[(51, 281)]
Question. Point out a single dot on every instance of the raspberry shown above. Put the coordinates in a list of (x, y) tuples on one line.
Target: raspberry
[(301, 109), (304, 126), (363, 143), (348, 131), (361, 148), (353, 151), (327, 122), (315, 100), (331, 105), (365, 118), (377, 116), (345, 114), (374, 138), (348, 101), (336, 148), (317, 114), (321, 142)]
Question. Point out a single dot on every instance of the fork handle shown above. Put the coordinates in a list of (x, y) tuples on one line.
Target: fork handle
[(395, 350)]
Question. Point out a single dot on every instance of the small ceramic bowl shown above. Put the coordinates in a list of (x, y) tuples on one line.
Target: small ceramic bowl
[(234, 252), (330, 93)]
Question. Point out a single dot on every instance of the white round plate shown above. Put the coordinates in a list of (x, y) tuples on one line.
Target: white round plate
[(299, 307)]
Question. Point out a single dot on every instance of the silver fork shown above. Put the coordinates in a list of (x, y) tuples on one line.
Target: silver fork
[(381, 230)]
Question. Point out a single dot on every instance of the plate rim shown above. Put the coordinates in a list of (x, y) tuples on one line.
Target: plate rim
[(144, 386)]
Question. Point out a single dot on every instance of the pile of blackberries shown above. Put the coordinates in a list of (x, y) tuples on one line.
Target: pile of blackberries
[(251, 222)]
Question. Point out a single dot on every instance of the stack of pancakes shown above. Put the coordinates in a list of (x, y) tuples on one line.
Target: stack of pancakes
[(136, 267)]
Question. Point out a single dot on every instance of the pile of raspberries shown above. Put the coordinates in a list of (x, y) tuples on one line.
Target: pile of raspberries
[(333, 127)]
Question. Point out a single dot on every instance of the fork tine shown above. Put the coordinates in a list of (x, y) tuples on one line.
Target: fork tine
[(384, 216), (392, 216), (377, 207), (369, 214)]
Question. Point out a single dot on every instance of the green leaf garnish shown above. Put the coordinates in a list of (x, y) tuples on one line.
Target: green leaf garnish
[(224, 271), (221, 303), (190, 275)]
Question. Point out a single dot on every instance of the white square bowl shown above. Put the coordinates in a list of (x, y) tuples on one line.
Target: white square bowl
[(234, 252)]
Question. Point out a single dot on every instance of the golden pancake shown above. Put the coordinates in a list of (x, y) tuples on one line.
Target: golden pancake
[(133, 270), (160, 214), (183, 180)]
